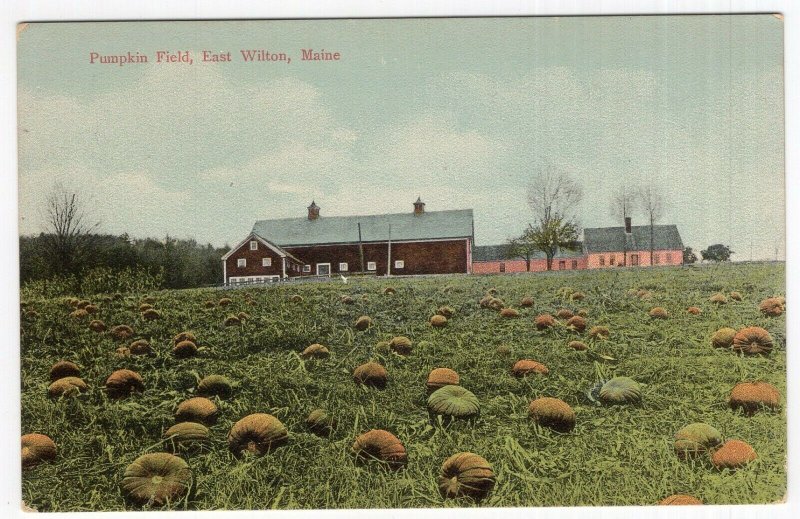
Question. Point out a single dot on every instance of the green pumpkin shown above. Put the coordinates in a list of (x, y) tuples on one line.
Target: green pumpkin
[(157, 478), (453, 401), (320, 422), (621, 390), (696, 439)]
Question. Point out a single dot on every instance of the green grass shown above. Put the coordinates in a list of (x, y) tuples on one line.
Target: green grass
[(614, 456)]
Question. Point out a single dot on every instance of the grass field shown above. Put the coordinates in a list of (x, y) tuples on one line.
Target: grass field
[(619, 455)]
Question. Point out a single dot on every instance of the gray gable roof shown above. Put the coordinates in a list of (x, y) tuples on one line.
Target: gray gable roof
[(613, 239), (374, 228), (498, 253)]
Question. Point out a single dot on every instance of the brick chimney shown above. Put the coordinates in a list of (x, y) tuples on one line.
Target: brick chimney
[(313, 211), (627, 224), (419, 206)]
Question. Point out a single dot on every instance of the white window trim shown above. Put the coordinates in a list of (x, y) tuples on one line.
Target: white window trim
[(371, 265), (241, 262), (253, 244), (266, 262), (399, 264), (343, 267), (306, 268), (329, 269)]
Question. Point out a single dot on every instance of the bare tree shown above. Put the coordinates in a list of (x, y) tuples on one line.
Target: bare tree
[(623, 203), (553, 197), (69, 234), (651, 201)]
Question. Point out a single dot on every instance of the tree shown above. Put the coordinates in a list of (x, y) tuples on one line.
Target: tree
[(553, 197), (522, 247), (623, 202), (651, 201), (717, 253), (70, 239), (689, 256)]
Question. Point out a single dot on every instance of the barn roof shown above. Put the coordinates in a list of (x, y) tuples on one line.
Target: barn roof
[(613, 239), (429, 225), (498, 253)]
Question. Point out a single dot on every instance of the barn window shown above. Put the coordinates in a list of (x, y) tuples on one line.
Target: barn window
[(502, 266), (306, 268), (398, 264), (343, 267), (241, 262), (253, 245), (612, 260), (371, 265), (574, 264), (562, 265), (669, 257), (656, 258), (266, 262), (602, 261)]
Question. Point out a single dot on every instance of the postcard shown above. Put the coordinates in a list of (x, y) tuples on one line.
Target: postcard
[(402, 263)]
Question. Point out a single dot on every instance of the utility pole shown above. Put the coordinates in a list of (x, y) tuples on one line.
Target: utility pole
[(389, 260)]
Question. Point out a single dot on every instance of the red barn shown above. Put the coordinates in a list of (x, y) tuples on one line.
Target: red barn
[(490, 259), (417, 242), (608, 247)]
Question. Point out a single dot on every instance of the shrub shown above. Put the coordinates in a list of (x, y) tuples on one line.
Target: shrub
[(363, 322), (97, 326), (66, 387), (438, 321), (578, 346), (553, 413), (321, 423), (454, 402), (576, 323), (599, 332), (526, 367), (382, 446), (186, 434), (215, 385), (198, 409), (184, 349), (123, 382), (440, 377), (564, 313), (733, 455), (752, 340), (680, 499), (718, 299), (64, 368), (151, 315), (37, 448), (315, 351), (621, 390), (696, 439), (140, 347), (750, 397), (157, 478), (371, 374), (446, 311), (526, 302), (772, 307), (257, 434), (121, 332), (401, 345), (723, 338), (658, 313), (693, 310), (544, 321), (232, 320), (509, 313), (466, 474)]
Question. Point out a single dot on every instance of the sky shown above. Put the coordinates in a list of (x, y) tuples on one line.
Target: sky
[(462, 112)]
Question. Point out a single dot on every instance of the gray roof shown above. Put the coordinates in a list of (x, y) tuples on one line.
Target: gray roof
[(498, 253), (614, 239), (344, 229)]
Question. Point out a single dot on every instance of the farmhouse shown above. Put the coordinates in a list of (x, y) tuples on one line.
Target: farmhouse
[(416, 242)]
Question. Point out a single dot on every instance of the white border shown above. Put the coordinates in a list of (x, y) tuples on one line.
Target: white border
[(14, 11)]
